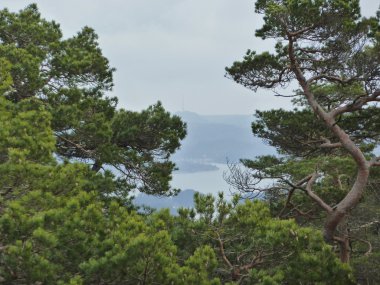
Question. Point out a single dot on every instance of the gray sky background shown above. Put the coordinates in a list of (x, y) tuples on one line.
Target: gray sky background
[(174, 51)]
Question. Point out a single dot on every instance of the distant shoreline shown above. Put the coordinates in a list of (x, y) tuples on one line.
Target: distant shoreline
[(194, 167)]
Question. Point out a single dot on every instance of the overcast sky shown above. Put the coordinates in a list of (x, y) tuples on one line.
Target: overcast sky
[(174, 51)]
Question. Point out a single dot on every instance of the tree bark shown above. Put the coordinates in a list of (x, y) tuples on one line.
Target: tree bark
[(96, 166), (352, 198)]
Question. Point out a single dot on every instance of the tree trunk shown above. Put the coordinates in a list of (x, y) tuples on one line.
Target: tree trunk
[(352, 198), (96, 166)]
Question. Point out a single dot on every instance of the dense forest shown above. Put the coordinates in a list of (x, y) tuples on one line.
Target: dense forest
[(310, 215)]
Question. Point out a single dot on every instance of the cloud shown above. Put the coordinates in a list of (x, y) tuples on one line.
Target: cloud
[(172, 50)]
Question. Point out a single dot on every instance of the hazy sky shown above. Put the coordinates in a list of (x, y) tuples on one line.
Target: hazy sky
[(174, 51)]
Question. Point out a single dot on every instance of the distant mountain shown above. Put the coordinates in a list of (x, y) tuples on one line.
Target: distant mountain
[(210, 140), (216, 139), (184, 199)]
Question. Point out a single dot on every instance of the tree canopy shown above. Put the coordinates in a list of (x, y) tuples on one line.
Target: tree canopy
[(69, 160), (333, 54), (71, 78)]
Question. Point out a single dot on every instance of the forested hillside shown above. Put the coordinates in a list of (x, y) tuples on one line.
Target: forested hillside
[(66, 219)]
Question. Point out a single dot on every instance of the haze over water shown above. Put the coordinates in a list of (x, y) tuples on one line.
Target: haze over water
[(204, 182)]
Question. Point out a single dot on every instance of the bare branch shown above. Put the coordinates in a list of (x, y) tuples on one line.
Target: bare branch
[(243, 180), (369, 251), (376, 222), (291, 192), (314, 196), (300, 212), (284, 96), (255, 261), (297, 33), (356, 105), (329, 78), (328, 144), (74, 144), (375, 161), (310, 179), (222, 252)]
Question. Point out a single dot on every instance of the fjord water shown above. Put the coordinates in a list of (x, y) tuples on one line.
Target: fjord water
[(202, 159), (204, 181)]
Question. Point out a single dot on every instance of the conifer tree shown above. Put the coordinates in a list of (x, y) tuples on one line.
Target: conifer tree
[(72, 78), (333, 54)]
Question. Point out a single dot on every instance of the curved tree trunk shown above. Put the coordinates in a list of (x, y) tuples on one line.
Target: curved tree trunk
[(338, 214)]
